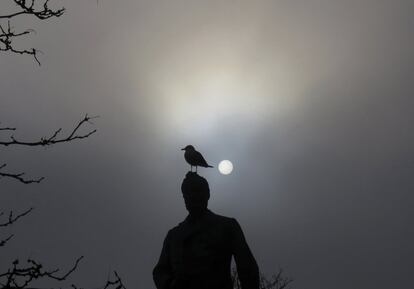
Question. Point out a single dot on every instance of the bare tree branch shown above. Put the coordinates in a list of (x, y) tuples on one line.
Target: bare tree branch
[(36, 8), (6, 38), (12, 219), (44, 141), (21, 277), (4, 241), (19, 177), (117, 283), (277, 281), (53, 139), (29, 7)]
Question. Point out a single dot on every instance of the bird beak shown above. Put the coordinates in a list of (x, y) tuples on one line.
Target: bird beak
[(183, 149)]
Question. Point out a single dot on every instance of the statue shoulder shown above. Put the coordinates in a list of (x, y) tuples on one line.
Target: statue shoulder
[(225, 219)]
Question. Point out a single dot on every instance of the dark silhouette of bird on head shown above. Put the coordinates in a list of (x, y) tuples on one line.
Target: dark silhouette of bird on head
[(194, 158)]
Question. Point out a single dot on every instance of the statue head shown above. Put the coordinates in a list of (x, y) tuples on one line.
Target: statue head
[(196, 193)]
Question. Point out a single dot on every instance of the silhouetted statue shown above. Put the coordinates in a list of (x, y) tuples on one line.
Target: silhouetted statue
[(197, 253), (194, 158)]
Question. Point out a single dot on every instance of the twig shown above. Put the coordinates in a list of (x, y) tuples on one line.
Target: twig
[(38, 9), (4, 241), (12, 219), (20, 177), (53, 138), (29, 8), (117, 283), (21, 277)]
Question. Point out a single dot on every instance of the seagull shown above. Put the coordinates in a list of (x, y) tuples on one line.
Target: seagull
[(194, 158)]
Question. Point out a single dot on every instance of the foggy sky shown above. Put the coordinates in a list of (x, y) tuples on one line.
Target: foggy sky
[(311, 100)]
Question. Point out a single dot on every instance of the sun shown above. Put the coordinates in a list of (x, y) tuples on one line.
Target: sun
[(225, 167)]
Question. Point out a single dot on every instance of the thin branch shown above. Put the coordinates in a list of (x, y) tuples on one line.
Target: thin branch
[(117, 283), (4, 241), (277, 281), (38, 9), (44, 13), (12, 219), (21, 277), (19, 177), (51, 274), (53, 139), (7, 35)]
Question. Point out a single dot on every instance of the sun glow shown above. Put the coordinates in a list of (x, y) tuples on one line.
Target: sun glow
[(203, 85), (212, 97)]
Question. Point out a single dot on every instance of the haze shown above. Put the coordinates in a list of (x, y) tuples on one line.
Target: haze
[(311, 100)]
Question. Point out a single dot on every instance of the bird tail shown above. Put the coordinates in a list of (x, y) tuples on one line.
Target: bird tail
[(210, 166)]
